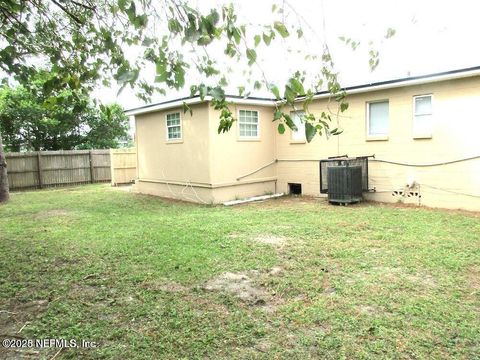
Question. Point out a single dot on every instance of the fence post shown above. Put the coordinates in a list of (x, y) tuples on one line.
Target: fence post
[(112, 168), (39, 167), (91, 166)]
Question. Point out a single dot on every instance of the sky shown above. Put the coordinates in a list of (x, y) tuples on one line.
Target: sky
[(430, 36)]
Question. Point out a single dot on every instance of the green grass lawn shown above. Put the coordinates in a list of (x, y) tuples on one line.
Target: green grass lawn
[(291, 278)]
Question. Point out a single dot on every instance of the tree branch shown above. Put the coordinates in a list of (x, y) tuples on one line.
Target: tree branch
[(66, 11), (85, 6)]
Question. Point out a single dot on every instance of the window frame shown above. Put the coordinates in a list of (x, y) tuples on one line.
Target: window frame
[(416, 135), (376, 137), (297, 141), (174, 140), (248, 138)]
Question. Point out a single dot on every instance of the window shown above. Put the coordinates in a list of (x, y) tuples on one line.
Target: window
[(377, 124), (422, 116), (174, 127), (297, 118), (248, 124)]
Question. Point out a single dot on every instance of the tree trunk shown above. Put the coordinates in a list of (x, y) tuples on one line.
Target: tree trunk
[(4, 194)]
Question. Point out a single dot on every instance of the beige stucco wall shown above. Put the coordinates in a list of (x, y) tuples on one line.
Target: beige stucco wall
[(185, 161), (232, 158), (204, 166), (455, 136), (208, 167)]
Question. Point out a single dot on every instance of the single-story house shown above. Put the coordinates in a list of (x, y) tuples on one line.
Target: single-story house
[(424, 132)]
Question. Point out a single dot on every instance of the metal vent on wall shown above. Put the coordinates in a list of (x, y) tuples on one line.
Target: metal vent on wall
[(361, 161)]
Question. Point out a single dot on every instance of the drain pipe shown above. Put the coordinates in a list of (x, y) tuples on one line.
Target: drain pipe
[(257, 170)]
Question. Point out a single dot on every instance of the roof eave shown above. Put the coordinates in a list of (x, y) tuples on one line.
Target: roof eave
[(402, 83), (390, 84), (196, 100)]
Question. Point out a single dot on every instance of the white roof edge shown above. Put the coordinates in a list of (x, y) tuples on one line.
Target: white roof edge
[(406, 82), (197, 100), (264, 102)]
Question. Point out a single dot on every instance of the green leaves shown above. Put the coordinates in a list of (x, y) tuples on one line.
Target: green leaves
[(237, 35), (161, 72), (251, 56), (217, 93), (336, 131), (267, 38), (186, 108), (390, 33), (288, 120), (138, 21), (343, 106), (257, 40), (374, 59), (275, 91), (226, 116), (230, 50), (297, 86), (290, 94), (95, 47), (174, 26), (310, 131), (281, 29), (126, 75), (202, 91), (56, 118)]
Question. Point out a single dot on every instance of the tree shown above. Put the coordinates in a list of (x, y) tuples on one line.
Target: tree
[(71, 122), (106, 128), (85, 41)]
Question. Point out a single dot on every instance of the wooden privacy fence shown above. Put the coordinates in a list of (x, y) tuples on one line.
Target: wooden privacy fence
[(124, 165), (51, 168)]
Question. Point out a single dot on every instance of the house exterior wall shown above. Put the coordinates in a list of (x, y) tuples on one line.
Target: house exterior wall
[(456, 125), (204, 166), (231, 158), (166, 168), (208, 167)]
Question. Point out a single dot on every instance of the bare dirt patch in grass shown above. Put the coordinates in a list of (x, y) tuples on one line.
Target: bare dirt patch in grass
[(249, 287), (268, 239), (239, 284), (47, 214), (425, 280), (370, 310), (13, 319), (234, 236), (473, 278), (17, 314), (84, 291)]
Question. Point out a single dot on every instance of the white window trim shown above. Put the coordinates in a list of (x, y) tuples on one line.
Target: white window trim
[(297, 141), (248, 138), (367, 120), (176, 140), (426, 135)]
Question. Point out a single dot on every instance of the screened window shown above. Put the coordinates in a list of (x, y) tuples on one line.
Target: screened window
[(299, 134), (248, 124), (377, 118), (422, 116), (174, 127)]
